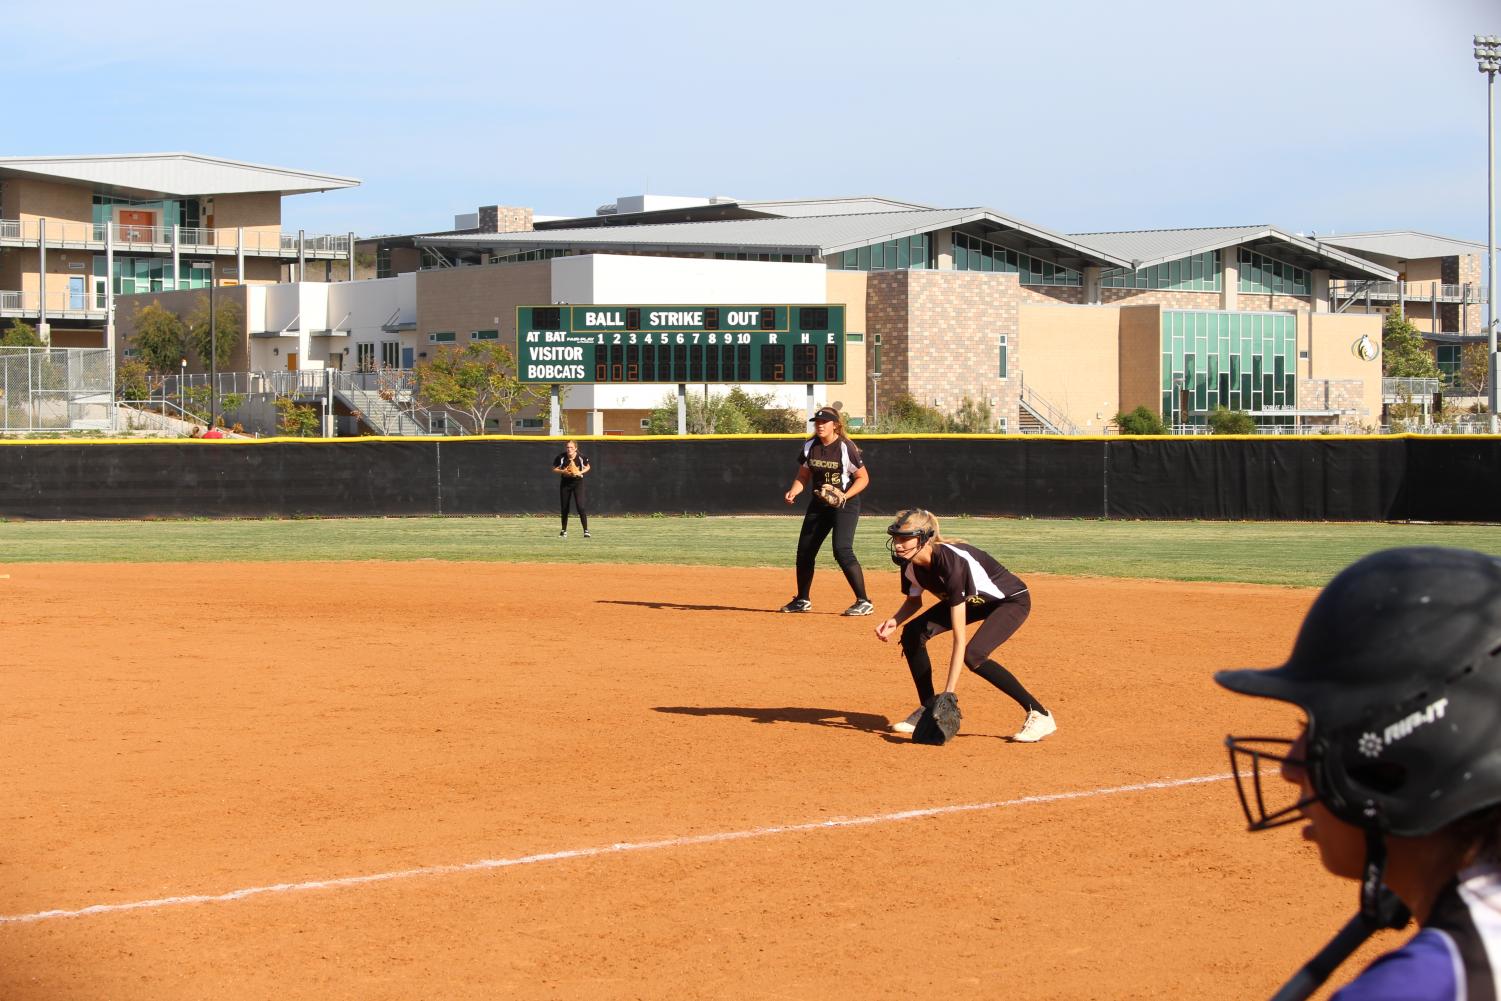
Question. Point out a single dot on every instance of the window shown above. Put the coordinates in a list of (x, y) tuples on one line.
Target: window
[(1240, 361), (1196, 273), (974, 254), (907, 254), (1003, 356), (484, 335), (1450, 361), (443, 337), (529, 423), (645, 423), (875, 354), (364, 357), (390, 354), (1262, 274)]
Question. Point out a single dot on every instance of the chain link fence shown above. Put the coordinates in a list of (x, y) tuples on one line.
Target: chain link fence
[(55, 389)]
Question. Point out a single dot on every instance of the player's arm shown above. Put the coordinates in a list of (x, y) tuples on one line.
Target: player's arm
[(858, 482), (886, 628), (960, 621), (798, 484)]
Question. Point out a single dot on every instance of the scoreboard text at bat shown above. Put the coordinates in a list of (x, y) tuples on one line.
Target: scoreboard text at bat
[(680, 344)]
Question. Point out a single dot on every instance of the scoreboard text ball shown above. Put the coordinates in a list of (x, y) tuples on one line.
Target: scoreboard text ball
[(680, 344)]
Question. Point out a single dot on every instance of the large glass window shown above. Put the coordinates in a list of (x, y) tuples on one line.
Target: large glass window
[(1195, 273), (910, 253), (785, 258), (1241, 361), (974, 254), (1259, 273), (1450, 359), (154, 274)]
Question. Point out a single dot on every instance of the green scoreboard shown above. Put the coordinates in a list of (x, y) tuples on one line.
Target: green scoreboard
[(680, 344)]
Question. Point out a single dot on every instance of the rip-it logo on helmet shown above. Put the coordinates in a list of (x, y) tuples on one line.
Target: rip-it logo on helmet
[(1371, 745)]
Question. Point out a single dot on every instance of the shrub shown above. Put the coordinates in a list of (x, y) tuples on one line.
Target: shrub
[(1226, 421), (1140, 421)]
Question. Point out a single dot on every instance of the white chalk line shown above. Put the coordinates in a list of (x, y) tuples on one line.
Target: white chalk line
[(596, 852)]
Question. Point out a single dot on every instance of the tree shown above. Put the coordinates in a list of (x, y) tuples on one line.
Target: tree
[(1474, 371), (295, 419), (229, 321), (21, 335), (160, 338), (1226, 421), (763, 413), (721, 414), (972, 418), (476, 380), (1403, 353), (1140, 421), (904, 415), (132, 380)]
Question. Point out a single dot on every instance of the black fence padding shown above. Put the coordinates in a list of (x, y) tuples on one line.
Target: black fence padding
[(1263, 479), (1453, 479), (1257, 479)]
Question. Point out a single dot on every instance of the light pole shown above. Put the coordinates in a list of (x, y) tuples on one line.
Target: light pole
[(1488, 55), (213, 355)]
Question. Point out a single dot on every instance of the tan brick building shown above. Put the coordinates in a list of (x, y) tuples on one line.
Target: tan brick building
[(78, 231)]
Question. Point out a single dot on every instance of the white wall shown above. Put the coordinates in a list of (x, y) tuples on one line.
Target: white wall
[(675, 281)]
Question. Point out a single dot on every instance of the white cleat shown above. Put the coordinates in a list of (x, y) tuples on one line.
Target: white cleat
[(1037, 726), (910, 723)]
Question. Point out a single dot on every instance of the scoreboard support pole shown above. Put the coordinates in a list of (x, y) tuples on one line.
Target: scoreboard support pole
[(555, 412), (682, 408), (811, 405)]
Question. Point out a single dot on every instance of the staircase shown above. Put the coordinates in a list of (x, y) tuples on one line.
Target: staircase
[(1038, 416), (382, 415)]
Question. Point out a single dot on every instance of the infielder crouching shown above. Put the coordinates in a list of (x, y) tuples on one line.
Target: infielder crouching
[(971, 587)]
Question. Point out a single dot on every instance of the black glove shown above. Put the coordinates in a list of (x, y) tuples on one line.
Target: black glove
[(939, 721)]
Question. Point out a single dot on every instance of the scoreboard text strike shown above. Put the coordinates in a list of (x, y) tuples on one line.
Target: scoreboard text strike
[(680, 344)]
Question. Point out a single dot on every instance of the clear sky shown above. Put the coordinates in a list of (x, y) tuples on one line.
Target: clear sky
[(1315, 115)]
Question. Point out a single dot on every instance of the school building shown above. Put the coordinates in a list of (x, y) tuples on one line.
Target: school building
[(75, 228), (1054, 332)]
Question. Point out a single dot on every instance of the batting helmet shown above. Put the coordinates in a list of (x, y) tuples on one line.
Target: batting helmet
[(1397, 668)]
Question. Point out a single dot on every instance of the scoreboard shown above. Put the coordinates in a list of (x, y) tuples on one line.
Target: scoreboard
[(680, 344)]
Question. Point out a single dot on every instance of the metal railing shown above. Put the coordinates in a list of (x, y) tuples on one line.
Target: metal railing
[(1412, 291), (60, 302), (1395, 388), (63, 233), (1044, 410)]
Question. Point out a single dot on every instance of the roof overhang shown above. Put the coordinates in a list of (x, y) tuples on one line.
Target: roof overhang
[(1300, 251), (172, 175)]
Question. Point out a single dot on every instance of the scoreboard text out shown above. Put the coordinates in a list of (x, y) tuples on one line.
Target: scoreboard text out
[(680, 344)]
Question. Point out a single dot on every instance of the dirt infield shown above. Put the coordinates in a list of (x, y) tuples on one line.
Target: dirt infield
[(180, 730)]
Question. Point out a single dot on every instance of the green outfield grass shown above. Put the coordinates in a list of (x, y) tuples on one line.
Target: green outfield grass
[(1269, 553)]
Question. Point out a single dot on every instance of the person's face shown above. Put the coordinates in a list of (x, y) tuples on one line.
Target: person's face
[(572, 449), (1341, 845), (824, 430), (905, 546)]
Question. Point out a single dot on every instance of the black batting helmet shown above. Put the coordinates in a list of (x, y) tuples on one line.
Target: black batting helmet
[(1397, 668)]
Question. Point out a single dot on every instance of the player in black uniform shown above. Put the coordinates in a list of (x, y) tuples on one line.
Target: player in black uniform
[(570, 465), (971, 587), (829, 457)]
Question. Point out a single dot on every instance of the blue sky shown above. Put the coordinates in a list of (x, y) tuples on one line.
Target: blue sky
[(1320, 115)]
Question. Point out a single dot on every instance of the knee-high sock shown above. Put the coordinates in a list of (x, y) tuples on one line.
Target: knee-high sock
[(1006, 682)]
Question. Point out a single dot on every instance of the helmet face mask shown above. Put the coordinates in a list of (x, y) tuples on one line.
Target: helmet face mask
[(1396, 668), (1251, 760), (896, 530)]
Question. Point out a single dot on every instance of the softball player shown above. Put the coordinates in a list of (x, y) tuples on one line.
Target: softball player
[(971, 587), (571, 467), (1397, 668), (829, 459)]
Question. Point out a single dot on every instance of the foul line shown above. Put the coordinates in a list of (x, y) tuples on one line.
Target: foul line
[(588, 853)]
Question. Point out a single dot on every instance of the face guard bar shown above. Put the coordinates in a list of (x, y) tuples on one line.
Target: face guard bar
[(1250, 758)]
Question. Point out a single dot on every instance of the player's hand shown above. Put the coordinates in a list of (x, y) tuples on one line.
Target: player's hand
[(790, 496), (885, 629)]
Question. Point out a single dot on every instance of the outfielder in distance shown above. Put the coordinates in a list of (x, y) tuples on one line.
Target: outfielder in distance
[(571, 466), (831, 465), (971, 586), (1397, 770)]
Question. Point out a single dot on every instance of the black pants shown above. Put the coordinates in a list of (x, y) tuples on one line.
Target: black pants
[(818, 522), (572, 488), (998, 620)]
